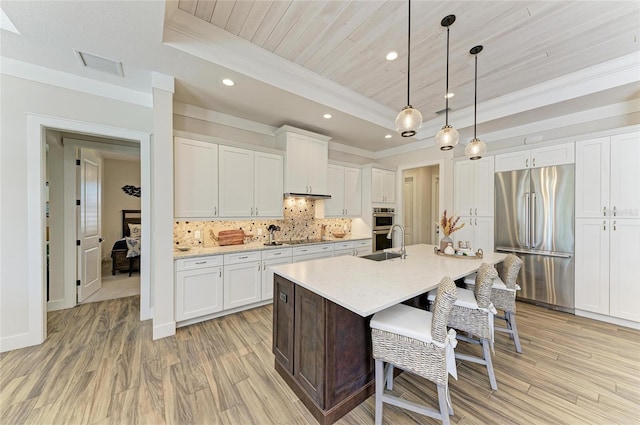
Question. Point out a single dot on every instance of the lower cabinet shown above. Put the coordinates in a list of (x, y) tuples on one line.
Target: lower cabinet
[(356, 248), (272, 258), (607, 267), (198, 287), (323, 348), (312, 252), (242, 279)]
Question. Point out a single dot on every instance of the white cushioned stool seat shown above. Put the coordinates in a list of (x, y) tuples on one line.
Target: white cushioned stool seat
[(466, 298), (404, 320)]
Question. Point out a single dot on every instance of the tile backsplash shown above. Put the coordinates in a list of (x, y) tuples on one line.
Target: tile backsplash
[(298, 223)]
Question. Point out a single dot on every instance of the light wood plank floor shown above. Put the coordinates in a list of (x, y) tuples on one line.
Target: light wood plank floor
[(100, 366)]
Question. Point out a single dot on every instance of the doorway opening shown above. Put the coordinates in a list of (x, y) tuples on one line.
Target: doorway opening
[(420, 204)]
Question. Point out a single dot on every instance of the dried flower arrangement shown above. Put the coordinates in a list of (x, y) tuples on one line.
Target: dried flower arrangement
[(448, 224)]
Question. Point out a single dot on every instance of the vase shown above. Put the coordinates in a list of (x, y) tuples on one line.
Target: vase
[(444, 242)]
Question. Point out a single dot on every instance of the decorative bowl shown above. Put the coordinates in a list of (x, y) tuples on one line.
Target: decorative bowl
[(338, 235)]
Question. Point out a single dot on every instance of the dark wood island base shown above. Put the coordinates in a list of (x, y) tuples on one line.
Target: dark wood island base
[(322, 351)]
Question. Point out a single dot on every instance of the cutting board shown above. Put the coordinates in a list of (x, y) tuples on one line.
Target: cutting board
[(231, 237)]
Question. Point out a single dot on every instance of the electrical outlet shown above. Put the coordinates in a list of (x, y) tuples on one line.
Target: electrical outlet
[(259, 231), (197, 234)]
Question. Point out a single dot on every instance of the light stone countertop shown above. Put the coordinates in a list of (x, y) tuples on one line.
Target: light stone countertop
[(366, 287), (254, 246)]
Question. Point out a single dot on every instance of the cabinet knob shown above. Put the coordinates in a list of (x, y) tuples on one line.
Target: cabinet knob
[(526, 163), (476, 211), (604, 211), (614, 225), (215, 210), (256, 210), (534, 162), (470, 211), (604, 225), (614, 212)]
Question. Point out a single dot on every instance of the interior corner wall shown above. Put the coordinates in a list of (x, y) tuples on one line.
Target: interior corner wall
[(19, 98), (116, 174)]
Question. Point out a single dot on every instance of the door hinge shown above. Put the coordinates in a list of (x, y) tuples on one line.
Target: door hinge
[(77, 242), (77, 162), (77, 202), (77, 283)]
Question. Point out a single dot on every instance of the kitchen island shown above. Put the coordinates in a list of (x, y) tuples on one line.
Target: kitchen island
[(321, 314)]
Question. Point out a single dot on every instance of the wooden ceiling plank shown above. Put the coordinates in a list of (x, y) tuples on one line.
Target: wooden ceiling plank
[(241, 10), (281, 30), (255, 18), (221, 13), (349, 18), (188, 6), (300, 26), (271, 20), (204, 9)]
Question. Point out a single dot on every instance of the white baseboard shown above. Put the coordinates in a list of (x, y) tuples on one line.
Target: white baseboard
[(54, 305), (222, 313), (609, 319), (164, 330), (18, 341)]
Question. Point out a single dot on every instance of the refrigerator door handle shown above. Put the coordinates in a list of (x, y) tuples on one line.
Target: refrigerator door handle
[(527, 228), (528, 252), (533, 220)]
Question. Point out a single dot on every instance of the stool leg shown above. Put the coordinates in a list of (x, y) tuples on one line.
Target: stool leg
[(379, 390), (442, 401), (486, 351), (514, 330), (389, 376)]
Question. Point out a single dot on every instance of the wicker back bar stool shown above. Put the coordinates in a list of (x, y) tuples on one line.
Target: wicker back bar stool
[(418, 342), (473, 313), (503, 295)]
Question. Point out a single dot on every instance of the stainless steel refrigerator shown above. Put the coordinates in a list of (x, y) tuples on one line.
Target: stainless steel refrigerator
[(534, 219)]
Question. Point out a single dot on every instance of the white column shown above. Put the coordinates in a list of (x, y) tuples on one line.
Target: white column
[(162, 280)]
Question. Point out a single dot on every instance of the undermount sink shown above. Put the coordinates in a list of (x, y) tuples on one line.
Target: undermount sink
[(382, 256)]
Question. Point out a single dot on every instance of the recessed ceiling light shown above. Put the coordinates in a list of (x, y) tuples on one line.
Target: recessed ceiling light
[(228, 82), (327, 116), (449, 95), (392, 55), (388, 136)]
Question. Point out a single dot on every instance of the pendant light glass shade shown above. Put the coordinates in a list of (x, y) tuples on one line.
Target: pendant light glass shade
[(409, 120), (448, 137), (476, 147)]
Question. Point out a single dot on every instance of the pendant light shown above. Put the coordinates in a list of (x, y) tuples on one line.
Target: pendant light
[(448, 137), (476, 147), (409, 120)]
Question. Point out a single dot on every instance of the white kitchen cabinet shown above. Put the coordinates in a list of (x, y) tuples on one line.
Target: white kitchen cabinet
[(242, 279), (479, 231), (474, 187), (363, 247), (312, 252), (355, 248), (272, 257), (624, 272), (383, 186), (195, 179), (607, 267), (534, 158), (199, 287), (250, 183), (306, 161), (607, 176), (345, 187)]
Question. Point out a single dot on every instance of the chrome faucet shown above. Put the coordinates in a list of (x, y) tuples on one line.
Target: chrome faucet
[(402, 251)]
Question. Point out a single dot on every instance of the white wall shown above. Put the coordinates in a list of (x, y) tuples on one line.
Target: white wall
[(19, 98), (55, 171), (116, 174)]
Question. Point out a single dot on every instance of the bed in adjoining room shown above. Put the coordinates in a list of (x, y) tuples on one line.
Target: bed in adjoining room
[(125, 254)]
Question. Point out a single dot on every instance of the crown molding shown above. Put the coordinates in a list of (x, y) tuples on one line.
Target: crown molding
[(163, 82), (531, 129), (44, 75)]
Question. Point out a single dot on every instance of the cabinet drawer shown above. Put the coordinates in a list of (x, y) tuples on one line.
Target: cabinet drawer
[(241, 257), (363, 243), (312, 249), (344, 245), (276, 253), (198, 262)]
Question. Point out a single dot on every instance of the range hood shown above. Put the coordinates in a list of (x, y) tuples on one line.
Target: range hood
[(306, 195)]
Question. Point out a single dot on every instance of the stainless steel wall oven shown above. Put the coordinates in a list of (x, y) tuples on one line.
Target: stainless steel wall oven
[(383, 219)]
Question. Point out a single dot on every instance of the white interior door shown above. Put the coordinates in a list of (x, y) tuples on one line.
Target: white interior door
[(89, 258)]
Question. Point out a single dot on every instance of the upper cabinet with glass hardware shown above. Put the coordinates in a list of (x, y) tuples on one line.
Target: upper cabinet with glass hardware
[(195, 179), (534, 158), (306, 160), (608, 176)]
